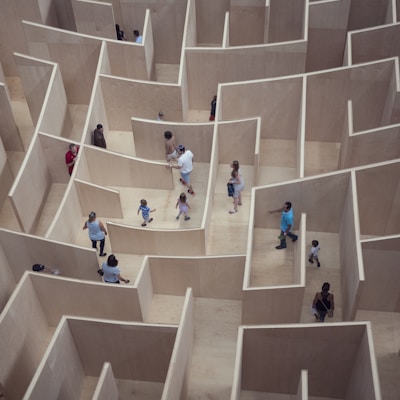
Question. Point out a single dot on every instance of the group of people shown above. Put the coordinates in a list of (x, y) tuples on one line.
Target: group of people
[(71, 155), (121, 34), (178, 157)]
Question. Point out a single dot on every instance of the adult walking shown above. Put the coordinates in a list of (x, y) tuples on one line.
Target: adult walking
[(287, 217), (323, 303), (238, 185), (97, 232), (111, 272), (185, 165)]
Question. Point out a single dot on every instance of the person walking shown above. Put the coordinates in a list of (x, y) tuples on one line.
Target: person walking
[(238, 186), (287, 218), (111, 272), (97, 232), (183, 206), (185, 165), (323, 303)]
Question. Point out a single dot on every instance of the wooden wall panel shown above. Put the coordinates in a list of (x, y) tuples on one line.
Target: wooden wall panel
[(35, 77), (54, 151), (363, 382), (379, 185), (104, 200), (247, 23), (126, 171), (61, 374), (351, 265), (127, 60), (106, 388), (9, 132), (35, 178), (276, 101), (324, 208), (60, 296), (8, 281), (24, 250), (233, 64), (23, 329), (327, 28), (6, 175), (132, 239), (96, 343), (238, 140), (138, 99), (382, 273), (56, 118), (76, 55), (272, 305), (286, 20), (271, 362), (94, 18), (371, 147), (205, 275), (176, 384), (149, 138)]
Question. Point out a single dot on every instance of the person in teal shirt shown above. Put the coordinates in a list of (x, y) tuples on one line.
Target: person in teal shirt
[(287, 218)]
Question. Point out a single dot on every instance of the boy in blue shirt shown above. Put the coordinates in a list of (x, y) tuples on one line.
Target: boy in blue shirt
[(145, 212)]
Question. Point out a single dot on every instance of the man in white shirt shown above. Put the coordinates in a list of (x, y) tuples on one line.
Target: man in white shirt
[(185, 165)]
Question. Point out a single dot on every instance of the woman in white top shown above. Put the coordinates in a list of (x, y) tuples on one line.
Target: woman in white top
[(238, 184)]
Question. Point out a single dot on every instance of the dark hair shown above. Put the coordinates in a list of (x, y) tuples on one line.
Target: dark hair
[(136, 32), (182, 197), (112, 261), (288, 205), (92, 215), (71, 145), (325, 287), (99, 126), (315, 243), (143, 202), (181, 148), (235, 164), (160, 114), (38, 267), (168, 134), (117, 27)]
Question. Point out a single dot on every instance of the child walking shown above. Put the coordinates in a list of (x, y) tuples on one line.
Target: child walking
[(314, 253), (183, 206), (145, 212)]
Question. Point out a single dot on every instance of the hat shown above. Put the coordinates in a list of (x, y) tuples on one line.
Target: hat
[(180, 147)]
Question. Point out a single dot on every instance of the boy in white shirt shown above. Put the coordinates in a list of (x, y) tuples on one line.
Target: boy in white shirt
[(314, 253)]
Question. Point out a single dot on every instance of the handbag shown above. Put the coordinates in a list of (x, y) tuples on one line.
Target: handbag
[(231, 189)]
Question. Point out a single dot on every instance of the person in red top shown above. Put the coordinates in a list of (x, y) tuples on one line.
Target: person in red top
[(70, 157)]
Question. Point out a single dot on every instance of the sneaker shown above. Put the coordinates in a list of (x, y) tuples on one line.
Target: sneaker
[(232, 211), (190, 191), (187, 218), (177, 217), (294, 240), (151, 219), (182, 181), (311, 261), (102, 254), (318, 265), (280, 247), (144, 224)]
